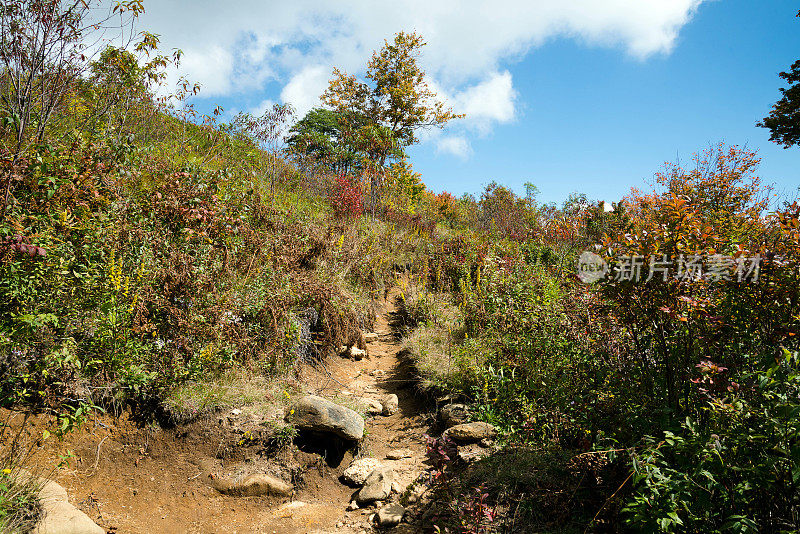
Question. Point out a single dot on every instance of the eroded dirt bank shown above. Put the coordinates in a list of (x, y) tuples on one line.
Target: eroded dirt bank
[(130, 478)]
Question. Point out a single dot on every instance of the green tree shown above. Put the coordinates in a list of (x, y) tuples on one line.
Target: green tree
[(406, 186), (118, 69), (783, 121), (321, 138), (117, 86), (396, 98), (397, 101)]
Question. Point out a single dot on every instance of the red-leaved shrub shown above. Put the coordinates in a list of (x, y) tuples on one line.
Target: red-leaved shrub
[(346, 196)]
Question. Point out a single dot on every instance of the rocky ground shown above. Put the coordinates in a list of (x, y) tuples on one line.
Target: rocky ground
[(205, 478)]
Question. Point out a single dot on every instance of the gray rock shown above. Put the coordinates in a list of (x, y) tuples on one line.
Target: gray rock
[(398, 454), (371, 406), (63, 518), (454, 414), (60, 517), (352, 506), (390, 515), (390, 404), (377, 486), (360, 469), (252, 486), (315, 413), (50, 491), (471, 432)]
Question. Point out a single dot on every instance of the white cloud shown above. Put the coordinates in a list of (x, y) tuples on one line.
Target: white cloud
[(212, 68), (262, 108), (455, 145), (490, 101), (296, 44), (305, 87)]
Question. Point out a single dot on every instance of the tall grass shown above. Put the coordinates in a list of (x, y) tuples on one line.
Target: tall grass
[(19, 489)]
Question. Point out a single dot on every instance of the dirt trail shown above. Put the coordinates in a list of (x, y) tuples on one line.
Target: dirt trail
[(147, 481), (404, 430)]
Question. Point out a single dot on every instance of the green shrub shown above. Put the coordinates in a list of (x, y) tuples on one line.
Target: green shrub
[(735, 468)]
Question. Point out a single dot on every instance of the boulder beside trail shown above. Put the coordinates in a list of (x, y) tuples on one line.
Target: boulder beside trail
[(472, 452), (471, 432), (316, 413), (59, 516)]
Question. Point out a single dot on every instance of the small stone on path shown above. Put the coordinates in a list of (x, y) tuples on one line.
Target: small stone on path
[(377, 486), (360, 469), (370, 337), (357, 354), (391, 515), (371, 406), (398, 454), (390, 404)]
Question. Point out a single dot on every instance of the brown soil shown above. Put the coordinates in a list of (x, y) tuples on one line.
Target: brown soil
[(131, 479)]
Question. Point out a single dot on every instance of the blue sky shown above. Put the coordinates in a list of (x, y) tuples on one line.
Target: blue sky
[(597, 121), (590, 96)]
